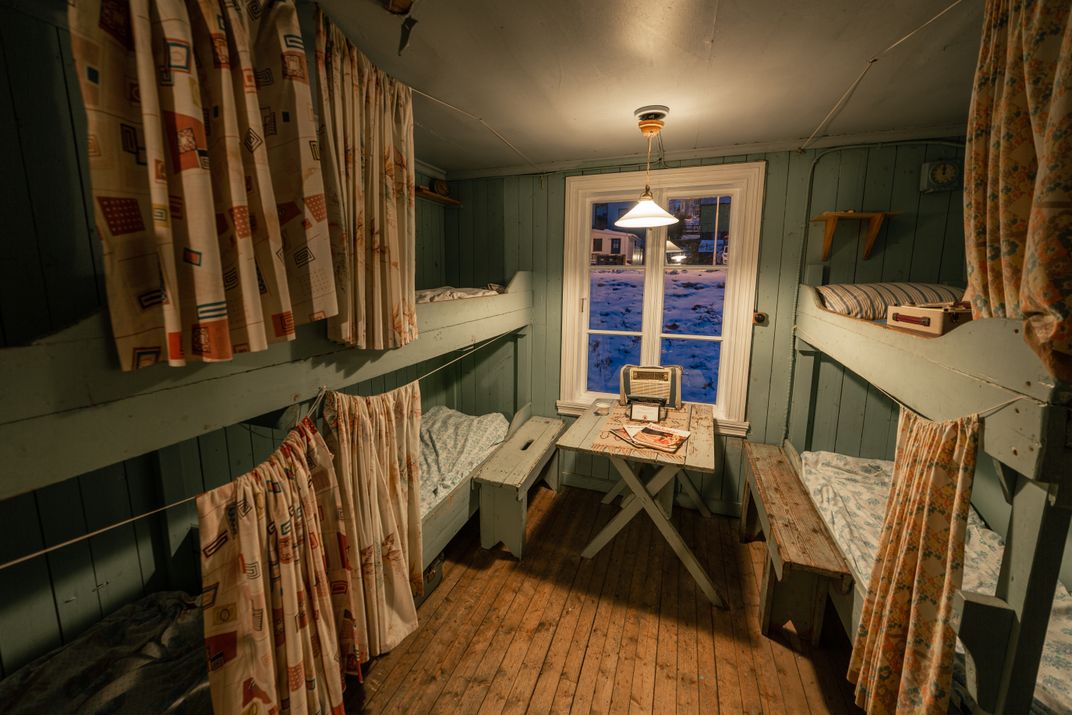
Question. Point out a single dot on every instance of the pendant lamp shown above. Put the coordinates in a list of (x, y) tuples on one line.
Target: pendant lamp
[(647, 213)]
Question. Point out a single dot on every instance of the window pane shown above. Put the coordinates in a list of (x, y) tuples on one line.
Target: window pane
[(606, 355), (693, 300), (694, 283), (699, 360), (701, 235), (613, 246), (616, 297)]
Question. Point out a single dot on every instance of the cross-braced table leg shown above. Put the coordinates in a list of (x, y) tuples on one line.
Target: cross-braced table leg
[(690, 489), (645, 501), (623, 517), (615, 491)]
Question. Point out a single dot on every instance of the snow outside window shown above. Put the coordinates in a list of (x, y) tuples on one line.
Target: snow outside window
[(677, 295)]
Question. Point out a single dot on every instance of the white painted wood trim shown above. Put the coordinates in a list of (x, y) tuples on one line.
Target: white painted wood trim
[(744, 183), (71, 392)]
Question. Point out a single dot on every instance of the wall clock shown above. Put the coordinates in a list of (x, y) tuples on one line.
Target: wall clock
[(941, 175)]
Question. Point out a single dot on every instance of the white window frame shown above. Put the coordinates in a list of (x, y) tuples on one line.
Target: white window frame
[(744, 184)]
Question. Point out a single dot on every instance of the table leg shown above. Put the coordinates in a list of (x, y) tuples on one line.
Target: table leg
[(669, 532), (615, 491), (661, 479), (690, 489)]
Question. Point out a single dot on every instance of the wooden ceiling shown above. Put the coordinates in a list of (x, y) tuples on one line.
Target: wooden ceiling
[(560, 78)]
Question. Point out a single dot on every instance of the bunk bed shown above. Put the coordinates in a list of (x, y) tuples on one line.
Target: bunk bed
[(70, 391), (149, 655), (982, 367)]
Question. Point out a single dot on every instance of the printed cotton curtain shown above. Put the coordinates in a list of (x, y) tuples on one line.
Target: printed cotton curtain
[(376, 442), (367, 138), (1018, 175), (902, 656), (275, 611), (205, 171)]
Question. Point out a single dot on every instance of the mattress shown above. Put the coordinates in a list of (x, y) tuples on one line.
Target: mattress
[(453, 444), (147, 657), (436, 295), (850, 494)]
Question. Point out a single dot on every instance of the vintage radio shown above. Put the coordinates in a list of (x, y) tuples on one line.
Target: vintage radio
[(658, 384), (929, 318)]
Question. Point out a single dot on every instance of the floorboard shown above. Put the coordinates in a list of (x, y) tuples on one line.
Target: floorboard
[(627, 631)]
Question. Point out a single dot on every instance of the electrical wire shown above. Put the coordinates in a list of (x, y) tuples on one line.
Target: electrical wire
[(843, 100), (487, 126)]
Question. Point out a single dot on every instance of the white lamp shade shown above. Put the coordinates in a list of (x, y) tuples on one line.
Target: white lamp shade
[(646, 214)]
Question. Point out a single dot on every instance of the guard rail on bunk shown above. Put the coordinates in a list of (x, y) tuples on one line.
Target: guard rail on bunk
[(66, 408)]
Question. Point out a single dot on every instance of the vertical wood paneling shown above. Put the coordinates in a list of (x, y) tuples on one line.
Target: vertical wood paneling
[(20, 262), (38, 92), (116, 566), (849, 415), (71, 567), (29, 623)]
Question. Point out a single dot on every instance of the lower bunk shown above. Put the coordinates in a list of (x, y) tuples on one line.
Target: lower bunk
[(848, 497), (149, 656)]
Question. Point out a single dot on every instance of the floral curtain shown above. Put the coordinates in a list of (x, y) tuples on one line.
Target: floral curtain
[(272, 636), (206, 178), (376, 442), (367, 136), (902, 656), (1018, 175)]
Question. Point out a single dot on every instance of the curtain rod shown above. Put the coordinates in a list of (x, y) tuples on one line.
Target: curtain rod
[(466, 352)]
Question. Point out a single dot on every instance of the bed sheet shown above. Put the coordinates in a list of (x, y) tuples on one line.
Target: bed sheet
[(436, 295), (850, 494), (147, 657), (453, 444)]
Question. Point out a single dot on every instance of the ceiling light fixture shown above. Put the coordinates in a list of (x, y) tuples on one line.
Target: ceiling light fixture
[(647, 213)]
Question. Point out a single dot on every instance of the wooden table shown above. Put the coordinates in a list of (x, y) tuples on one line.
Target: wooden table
[(591, 434)]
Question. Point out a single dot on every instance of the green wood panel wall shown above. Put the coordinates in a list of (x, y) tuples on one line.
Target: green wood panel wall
[(50, 278), (513, 222)]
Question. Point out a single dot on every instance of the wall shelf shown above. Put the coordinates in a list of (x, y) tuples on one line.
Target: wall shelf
[(874, 219), (426, 193)]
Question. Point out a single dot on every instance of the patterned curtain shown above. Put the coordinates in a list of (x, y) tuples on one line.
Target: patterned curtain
[(271, 635), (205, 172), (367, 136), (376, 442), (1018, 175), (902, 656)]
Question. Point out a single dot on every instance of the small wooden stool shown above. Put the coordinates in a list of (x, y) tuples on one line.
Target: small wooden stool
[(506, 477)]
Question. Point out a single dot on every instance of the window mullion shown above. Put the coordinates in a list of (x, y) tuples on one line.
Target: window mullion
[(653, 289)]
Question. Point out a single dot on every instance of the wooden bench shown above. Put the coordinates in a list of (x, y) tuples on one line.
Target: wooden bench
[(803, 562), (505, 479)]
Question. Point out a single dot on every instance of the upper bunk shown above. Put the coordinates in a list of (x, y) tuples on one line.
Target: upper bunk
[(66, 408), (983, 367)]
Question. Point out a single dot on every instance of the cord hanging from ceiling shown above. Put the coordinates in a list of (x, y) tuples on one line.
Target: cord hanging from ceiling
[(487, 126), (843, 100)]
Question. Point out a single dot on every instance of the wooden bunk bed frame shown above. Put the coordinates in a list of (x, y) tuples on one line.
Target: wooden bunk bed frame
[(68, 409), (974, 369)]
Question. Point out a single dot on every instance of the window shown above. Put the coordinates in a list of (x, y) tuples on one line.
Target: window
[(685, 302), (597, 245)]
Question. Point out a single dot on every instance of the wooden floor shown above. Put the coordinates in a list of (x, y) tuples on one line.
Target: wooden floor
[(627, 631)]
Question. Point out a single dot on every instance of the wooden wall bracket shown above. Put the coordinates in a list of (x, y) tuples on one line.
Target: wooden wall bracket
[(830, 218)]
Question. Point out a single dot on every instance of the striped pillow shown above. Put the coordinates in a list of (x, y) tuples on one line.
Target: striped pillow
[(868, 301)]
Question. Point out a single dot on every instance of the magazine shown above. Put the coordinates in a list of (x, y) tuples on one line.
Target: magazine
[(664, 439)]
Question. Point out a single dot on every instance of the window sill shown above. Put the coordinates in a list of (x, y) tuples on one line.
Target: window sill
[(730, 428)]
